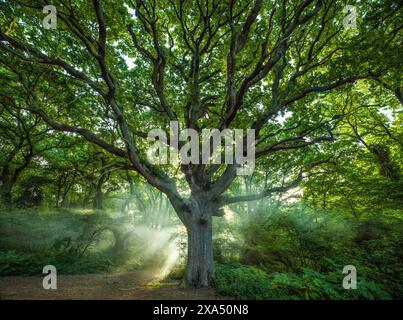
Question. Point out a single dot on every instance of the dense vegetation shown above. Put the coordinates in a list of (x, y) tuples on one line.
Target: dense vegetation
[(78, 191)]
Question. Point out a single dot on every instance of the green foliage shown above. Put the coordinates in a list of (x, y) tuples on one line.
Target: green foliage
[(32, 194), (303, 252), (30, 240), (79, 241), (312, 284), (242, 282), (177, 273), (292, 239), (31, 263), (250, 283)]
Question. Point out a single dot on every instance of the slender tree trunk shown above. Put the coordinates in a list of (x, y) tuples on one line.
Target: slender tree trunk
[(7, 178), (98, 199), (119, 240), (6, 195), (130, 199), (99, 195), (6, 190), (87, 198)]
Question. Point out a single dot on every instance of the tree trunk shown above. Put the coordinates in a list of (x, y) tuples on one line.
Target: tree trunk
[(6, 191), (99, 195), (6, 196), (200, 265), (119, 240), (126, 205), (196, 214), (98, 200)]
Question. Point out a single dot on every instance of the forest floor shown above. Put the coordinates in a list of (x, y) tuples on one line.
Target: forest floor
[(134, 285)]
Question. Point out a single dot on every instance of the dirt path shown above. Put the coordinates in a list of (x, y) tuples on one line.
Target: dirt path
[(129, 285)]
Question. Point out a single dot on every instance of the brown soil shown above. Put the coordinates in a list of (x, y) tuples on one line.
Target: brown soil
[(136, 285)]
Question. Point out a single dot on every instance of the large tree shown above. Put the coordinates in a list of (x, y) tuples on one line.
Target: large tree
[(131, 66)]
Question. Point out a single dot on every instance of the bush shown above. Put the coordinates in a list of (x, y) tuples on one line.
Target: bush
[(313, 285), (304, 251), (177, 272), (292, 240), (241, 282), (250, 283), (32, 263), (31, 239)]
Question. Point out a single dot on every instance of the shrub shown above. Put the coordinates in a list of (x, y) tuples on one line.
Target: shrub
[(31, 263), (313, 285), (292, 240), (242, 282), (250, 283)]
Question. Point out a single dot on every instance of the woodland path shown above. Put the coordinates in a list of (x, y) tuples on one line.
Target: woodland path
[(134, 285)]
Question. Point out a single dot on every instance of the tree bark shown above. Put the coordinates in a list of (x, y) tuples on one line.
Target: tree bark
[(6, 185), (6, 190), (98, 199), (198, 221), (99, 194), (6, 195)]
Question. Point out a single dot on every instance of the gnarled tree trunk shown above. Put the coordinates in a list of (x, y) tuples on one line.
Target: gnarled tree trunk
[(198, 221), (200, 265)]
